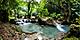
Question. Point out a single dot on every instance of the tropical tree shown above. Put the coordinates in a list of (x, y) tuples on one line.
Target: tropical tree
[(67, 8), (29, 6), (5, 7)]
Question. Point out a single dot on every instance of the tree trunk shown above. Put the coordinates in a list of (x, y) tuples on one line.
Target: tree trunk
[(66, 10), (3, 16)]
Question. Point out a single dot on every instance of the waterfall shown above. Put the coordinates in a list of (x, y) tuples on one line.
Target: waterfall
[(60, 27), (22, 22)]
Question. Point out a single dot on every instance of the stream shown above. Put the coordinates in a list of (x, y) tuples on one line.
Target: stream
[(48, 31)]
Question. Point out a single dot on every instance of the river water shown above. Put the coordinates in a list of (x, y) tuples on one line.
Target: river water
[(49, 31)]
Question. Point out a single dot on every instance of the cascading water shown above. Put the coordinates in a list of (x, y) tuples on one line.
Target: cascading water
[(62, 28)]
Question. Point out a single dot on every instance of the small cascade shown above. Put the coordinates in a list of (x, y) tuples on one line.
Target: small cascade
[(62, 28), (25, 21)]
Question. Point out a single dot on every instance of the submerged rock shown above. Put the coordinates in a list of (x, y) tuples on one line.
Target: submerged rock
[(27, 38)]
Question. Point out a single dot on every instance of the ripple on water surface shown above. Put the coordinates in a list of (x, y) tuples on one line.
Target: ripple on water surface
[(49, 31)]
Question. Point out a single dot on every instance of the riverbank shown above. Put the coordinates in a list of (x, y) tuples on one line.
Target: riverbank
[(8, 32)]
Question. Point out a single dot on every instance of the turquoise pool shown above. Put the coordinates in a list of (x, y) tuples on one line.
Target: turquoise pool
[(49, 31)]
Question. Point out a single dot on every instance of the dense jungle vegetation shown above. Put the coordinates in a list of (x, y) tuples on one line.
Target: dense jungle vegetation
[(62, 10)]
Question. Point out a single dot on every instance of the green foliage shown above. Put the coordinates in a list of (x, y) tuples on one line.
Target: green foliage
[(18, 29), (43, 12), (22, 8), (78, 20), (71, 38), (21, 3), (8, 4), (75, 12), (42, 4), (56, 15), (1, 37)]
